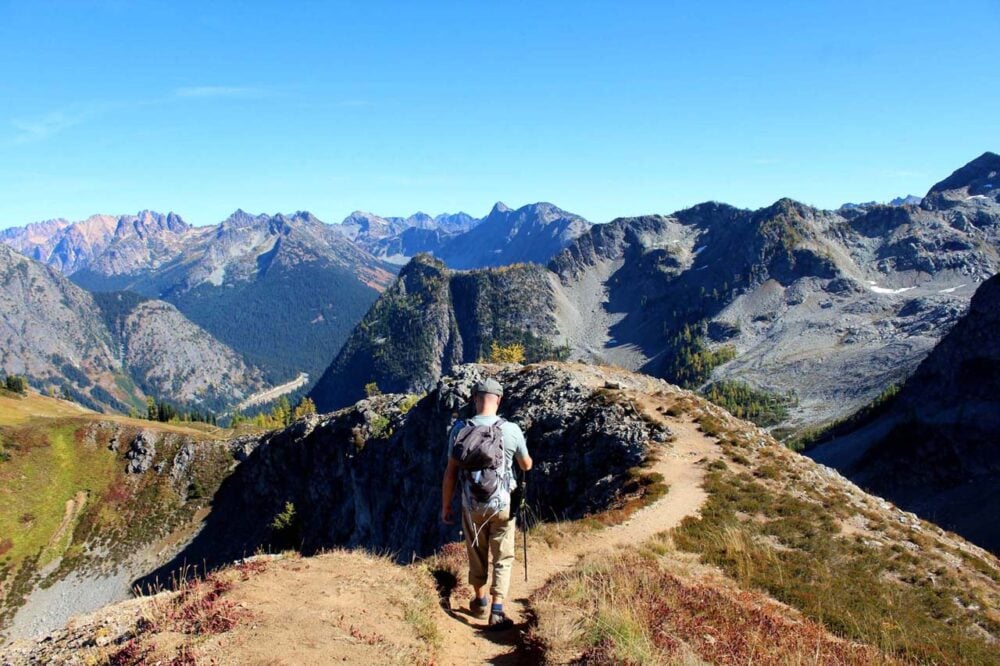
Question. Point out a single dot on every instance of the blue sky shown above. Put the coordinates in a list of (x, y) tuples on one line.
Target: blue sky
[(606, 109)]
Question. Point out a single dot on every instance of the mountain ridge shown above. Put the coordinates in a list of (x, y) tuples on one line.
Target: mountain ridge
[(825, 307)]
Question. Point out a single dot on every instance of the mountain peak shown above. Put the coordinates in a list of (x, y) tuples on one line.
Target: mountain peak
[(500, 207), (241, 218), (980, 176)]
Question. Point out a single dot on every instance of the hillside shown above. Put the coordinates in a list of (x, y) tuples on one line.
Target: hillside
[(171, 358), (89, 501), (52, 332), (932, 448), (758, 553), (108, 351)]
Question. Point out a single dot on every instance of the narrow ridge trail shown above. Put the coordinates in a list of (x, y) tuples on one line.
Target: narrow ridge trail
[(464, 640)]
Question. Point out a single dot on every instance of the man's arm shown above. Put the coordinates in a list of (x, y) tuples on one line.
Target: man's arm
[(448, 489), (521, 453)]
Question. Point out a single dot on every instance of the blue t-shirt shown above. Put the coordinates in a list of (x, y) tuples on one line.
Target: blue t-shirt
[(514, 444)]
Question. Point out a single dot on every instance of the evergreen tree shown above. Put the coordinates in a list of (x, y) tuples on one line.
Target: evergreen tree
[(16, 383)]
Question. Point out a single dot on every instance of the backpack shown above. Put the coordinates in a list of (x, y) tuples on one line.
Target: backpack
[(483, 472)]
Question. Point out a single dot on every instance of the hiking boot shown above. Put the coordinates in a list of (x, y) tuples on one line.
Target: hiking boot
[(479, 607), (500, 622)]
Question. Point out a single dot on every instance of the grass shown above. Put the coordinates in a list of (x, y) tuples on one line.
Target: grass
[(629, 608), (62, 491), (791, 547), (46, 469)]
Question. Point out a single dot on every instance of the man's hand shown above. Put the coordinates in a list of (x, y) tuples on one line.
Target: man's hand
[(448, 490)]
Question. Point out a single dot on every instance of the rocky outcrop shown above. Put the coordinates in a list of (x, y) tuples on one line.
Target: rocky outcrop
[(432, 319), (934, 450), (369, 476), (141, 453)]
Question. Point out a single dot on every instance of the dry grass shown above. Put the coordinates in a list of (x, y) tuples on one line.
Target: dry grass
[(791, 547), (627, 608)]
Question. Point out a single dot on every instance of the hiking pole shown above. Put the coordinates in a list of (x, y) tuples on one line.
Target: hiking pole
[(522, 509)]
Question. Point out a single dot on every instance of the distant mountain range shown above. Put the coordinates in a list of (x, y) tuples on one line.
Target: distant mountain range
[(111, 350), (532, 233), (284, 291), (824, 308)]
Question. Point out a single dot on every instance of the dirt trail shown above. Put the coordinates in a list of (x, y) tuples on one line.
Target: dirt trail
[(465, 642)]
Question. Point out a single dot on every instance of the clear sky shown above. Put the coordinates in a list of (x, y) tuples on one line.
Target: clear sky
[(603, 108)]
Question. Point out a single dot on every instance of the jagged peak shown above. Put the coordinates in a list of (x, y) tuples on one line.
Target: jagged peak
[(500, 208), (361, 215), (423, 259), (787, 206)]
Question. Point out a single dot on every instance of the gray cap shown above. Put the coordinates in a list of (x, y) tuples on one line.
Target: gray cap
[(488, 386)]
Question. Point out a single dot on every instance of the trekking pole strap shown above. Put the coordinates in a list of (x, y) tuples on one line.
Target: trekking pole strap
[(524, 521)]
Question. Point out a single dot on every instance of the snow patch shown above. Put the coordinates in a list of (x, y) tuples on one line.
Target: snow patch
[(698, 250), (884, 290), (950, 290)]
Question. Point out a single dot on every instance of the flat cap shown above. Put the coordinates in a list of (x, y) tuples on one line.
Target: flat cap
[(488, 386)]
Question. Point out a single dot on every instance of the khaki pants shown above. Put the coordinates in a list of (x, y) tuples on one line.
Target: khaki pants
[(496, 538)]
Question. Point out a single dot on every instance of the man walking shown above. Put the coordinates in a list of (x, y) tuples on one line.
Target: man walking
[(483, 449)]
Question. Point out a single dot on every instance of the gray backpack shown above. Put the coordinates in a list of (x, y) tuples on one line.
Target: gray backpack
[(485, 477)]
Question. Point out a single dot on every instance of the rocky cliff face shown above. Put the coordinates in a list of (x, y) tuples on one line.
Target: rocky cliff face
[(432, 319), (370, 475), (934, 450), (52, 332)]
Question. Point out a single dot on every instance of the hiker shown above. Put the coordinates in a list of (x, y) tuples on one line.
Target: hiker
[(482, 453)]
